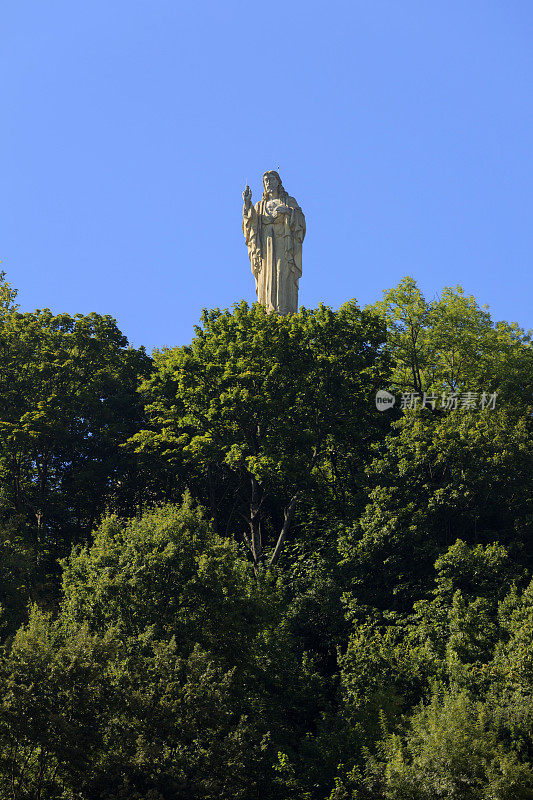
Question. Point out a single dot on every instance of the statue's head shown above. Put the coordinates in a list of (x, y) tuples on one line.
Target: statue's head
[(272, 183)]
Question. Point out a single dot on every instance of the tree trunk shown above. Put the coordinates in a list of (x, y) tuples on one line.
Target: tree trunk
[(289, 512), (255, 523)]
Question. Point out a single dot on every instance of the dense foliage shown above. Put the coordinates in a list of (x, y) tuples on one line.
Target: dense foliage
[(224, 573)]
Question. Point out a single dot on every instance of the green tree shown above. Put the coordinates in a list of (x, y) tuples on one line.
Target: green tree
[(166, 571), (438, 703), (67, 400), (452, 344), (451, 751), (7, 296), (406, 314), (168, 671), (458, 627), (437, 478), (110, 716), (261, 410)]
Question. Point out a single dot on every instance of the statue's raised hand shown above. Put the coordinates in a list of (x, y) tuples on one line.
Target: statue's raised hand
[(247, 197)]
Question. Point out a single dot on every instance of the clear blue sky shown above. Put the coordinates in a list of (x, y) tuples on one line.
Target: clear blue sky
[(403, 128)]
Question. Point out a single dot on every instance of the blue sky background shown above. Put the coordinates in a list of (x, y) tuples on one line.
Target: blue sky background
[(404, 130)]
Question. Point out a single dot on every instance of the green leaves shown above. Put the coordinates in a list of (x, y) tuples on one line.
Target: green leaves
[(385, 654), (259, 407), (67, 401), (452, 344), (439, 478), (168, 572)]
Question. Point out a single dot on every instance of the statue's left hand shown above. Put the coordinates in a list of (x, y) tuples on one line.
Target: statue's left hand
[(283, 209)]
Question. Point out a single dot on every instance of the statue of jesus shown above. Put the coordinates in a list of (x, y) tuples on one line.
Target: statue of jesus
[(274, 230)]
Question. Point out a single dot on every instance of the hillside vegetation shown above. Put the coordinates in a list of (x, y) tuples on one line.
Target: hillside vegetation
[(226, 575)]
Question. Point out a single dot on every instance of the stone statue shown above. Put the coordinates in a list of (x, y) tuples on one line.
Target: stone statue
[(274, 230)]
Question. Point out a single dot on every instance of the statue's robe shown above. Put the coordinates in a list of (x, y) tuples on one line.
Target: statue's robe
[(275, 249)]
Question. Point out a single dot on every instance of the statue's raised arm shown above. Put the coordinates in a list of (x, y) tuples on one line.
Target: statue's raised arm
[(250, 230), (247, 199), (274, 230)]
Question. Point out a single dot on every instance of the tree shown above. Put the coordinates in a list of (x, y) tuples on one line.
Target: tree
[(451, 751), (7, 296), (406, 314), (262, 409), (437, 478), (106, 715), (437, 703), (168, 571), (452, 344), (67, 401), (167, 671)]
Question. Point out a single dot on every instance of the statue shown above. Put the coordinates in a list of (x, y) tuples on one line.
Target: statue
[(274, 231)]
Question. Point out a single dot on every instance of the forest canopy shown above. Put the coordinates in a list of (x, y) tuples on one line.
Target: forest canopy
[(226, 573)]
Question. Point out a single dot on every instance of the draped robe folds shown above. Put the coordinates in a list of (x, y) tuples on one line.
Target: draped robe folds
[(275, 248)]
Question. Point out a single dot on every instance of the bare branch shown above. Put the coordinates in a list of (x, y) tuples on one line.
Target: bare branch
[(286, 525)]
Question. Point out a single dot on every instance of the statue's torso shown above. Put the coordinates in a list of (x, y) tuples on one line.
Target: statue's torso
[(270, 207), (267, 211)]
